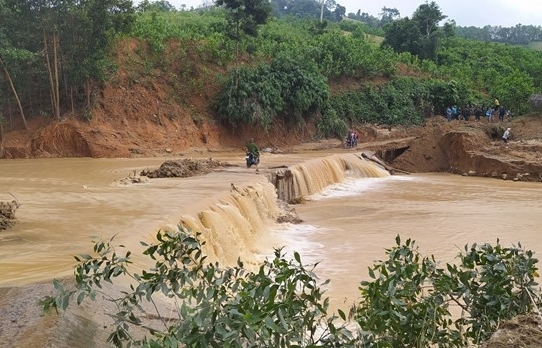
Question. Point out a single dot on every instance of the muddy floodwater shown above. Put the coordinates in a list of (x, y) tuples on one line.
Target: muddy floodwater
[(65, 203), (348, 225)]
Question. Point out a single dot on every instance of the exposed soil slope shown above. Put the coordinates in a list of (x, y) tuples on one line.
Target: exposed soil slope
[(142, 112), (476, 149)]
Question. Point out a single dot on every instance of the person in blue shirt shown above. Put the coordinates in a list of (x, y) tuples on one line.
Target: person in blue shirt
[(455, 112)]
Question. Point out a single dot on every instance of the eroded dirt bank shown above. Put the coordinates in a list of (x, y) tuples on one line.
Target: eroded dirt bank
[(469, 148), (460, 147)]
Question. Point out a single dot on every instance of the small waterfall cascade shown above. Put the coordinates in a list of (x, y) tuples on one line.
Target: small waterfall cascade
[(232, 226), (313, 176)]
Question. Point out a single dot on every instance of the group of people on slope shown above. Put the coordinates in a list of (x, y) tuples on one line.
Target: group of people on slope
[(352, 139), (456, 113)]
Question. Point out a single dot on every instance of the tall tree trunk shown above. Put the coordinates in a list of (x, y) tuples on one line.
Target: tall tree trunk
[(51, 77), (237, 39), (57, 86), (14, 92), (88, 92), (1, 137), (322, 11), (72, 102)]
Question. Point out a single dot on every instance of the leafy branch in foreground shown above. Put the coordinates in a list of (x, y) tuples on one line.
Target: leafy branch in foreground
[(408, 302), (279, 305)]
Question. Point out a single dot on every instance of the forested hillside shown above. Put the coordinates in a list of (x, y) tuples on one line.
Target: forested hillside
[(239, 65)]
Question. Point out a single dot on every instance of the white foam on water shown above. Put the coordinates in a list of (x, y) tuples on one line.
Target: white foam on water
[(355, 186), (296, 237), (300, 237)]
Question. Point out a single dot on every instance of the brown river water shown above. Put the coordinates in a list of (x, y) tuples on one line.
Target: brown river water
[(348, 218)]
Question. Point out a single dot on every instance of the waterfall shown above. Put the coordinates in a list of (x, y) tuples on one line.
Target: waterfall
[(232, 227), (313, 176), (236, 225)]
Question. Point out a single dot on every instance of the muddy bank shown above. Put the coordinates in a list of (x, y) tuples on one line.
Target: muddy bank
[(470, 148)]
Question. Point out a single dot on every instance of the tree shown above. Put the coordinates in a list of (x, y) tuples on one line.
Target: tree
[(8, 77), (16, 57), (105, 20), (1, 135), (418, 35), (403, 36), (388, 15), (244, 16), (339, 12), (66, 44), (159, 6), (428, 17)]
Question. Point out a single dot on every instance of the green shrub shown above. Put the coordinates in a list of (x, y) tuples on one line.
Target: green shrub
[(407, 302), (284, 88), (282, 304)]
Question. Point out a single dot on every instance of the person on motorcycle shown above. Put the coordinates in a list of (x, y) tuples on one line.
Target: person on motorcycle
[(253, 150)]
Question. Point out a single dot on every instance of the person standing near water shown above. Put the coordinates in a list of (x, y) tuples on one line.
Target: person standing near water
[(506, 135)]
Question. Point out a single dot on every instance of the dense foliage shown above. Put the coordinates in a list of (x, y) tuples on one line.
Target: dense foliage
[(258, 95), (517, 35), (279, 305), (53, 53), (404, 101), (340, 73), (328, 10), (418, 35), (405, 304), (408, 303)]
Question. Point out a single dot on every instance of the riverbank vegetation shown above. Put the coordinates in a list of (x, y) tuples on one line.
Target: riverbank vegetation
[(408, 302), (260, 66)]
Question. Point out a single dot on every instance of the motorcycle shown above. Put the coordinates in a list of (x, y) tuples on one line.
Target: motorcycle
[(251, 159)]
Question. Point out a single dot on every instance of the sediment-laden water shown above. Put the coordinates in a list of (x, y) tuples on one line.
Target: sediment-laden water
[(350, 215)]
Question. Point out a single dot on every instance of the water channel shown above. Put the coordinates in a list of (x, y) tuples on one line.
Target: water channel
[(65, 203)]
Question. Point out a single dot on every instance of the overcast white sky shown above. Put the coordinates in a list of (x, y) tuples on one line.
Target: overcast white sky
[(477, 13)]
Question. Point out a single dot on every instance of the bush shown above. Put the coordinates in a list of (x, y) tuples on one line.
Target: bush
[(282, 304), (407, 303), (284, 88)]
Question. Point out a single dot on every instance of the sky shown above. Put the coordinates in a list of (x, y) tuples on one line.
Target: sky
[(478, 13)]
